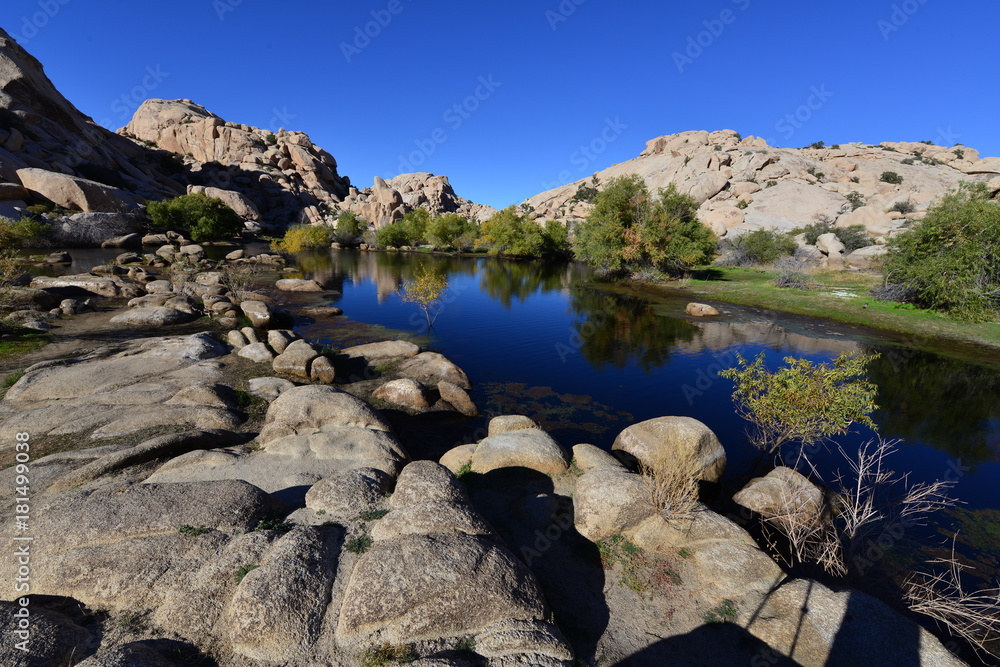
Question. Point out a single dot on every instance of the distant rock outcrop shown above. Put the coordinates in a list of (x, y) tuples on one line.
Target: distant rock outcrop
[(387, 201), (50, 152), (742, 184)]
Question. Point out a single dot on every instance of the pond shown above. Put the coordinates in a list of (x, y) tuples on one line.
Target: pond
[(586, 360)]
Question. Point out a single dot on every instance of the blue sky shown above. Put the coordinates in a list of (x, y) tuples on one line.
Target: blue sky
[(511, 98)]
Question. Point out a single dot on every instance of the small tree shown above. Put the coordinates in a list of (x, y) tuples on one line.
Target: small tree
[(452, 231), (303, 237), (202, 216), (950, 260), (349, 228), (628, 230), (801, 403), (426, 289)]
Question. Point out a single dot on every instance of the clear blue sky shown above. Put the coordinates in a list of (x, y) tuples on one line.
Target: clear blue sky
[(551, 76)]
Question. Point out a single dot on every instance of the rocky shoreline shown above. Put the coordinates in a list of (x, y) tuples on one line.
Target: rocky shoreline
[(236, 496)]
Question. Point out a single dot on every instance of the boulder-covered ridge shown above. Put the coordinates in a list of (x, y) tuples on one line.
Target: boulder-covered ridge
[(743, 184), (53, 154)]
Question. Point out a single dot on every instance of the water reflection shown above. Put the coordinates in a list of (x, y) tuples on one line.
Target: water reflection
[(506, 281), (621, 330), (951, 405)]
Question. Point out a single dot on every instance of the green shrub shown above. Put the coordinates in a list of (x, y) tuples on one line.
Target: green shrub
[(359, 545), (395, 235), (817, 145), (203, 217), (742, 204), (270, 139), (349, 228), (891, 177), (951, 259), (193, 531), (630, 231), (587, 193), (416, 222), (853, 237), (766, 246), (515, 234), (856, 199), (242, 571), (452, 231), (22, 232), (903, 207), (723, 613), (959, 153), (299, 238)]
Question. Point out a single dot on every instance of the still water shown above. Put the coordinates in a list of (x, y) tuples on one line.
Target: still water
[(586, 360)]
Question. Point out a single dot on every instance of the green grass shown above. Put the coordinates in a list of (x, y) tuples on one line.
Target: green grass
[(464, 471), (385, 654), (192, 531), (373, 515), (359, 545), (22, 343), (12, 378), (840, 296), (243, 571), (274, 523), (723, 613)]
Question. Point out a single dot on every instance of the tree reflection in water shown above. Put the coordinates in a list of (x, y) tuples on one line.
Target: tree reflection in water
[(621, 330)]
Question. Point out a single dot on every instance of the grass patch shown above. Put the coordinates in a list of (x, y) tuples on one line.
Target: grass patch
[(467, 643), (839, 296), (723, 613), (640, 571), (132, 622), (359, 545), (385, 654), (12, 378), (373, 515), (464, 471), (243, 571), (22, 343), (274, 523), (193, 531)]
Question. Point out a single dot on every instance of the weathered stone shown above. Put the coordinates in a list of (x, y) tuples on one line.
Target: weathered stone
[(304, 409), (279, 339), (783, 492), (404, 393), (297, 359), (237, 339), (509, 423), (587, 458), (151, 317), (457, 458), (257, 352), (322, 370), (526, 448), (458, 398), (379, 353), (829, 244), (258, 312), (73, 192), (608, 501), (269, 388), (431, 367), (674, 437), (298, 285), (701, 310), (346, 495)]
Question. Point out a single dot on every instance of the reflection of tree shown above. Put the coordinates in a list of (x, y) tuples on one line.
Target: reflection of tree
[(506, 280), (620, 330), (947, 404)]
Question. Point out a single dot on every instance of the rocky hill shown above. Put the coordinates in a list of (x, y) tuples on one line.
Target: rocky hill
[(743, 184), (52, 154)]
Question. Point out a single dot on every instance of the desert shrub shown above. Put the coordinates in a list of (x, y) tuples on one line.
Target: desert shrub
[(856, 200), (672, 480), (951, 258), (395, 235), (766, 246), (416, 222), (587, 193), (903, 207), (792, 280), (894, 292), (426, 289), (853, 237), (299, 238), (515, 234), (630, 230), (801, 403), (350, 228), (22, 232), (452, 231), (270, 139), (203, 217), (891, 177)]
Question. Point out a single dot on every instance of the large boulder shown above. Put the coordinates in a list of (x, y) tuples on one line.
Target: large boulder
[(866, 258), (73, 192), (379, 353), (442, 573), (404, 393), (782, 493), (608, 501), (151, 317), (431, 367), (298, 285), (674, 438), (526, 448), (237, 201)]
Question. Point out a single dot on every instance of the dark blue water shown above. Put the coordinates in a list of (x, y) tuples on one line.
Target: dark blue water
[(545, 341)]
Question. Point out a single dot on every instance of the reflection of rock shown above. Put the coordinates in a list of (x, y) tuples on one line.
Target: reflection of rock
[(722, 335)]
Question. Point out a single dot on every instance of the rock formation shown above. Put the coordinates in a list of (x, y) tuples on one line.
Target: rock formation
[(742, 184), (387, 201)]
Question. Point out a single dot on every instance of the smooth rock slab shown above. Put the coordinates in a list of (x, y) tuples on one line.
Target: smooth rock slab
[(674, 437), (431, 368), (527, 448), (298, 285), (151, 317), (404, 393)]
